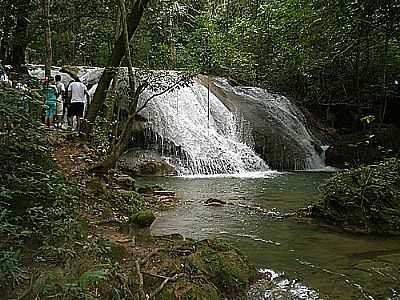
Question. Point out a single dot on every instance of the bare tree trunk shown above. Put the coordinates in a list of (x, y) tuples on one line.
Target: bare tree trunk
[(383, 106), (119, 147), (127, 48), (115, 60), (49, 53), (20, 43)]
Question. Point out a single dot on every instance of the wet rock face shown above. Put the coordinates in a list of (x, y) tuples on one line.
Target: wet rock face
[(270, 123), (145, 163)]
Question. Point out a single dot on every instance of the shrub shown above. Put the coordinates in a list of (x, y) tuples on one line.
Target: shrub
[(365, 199)]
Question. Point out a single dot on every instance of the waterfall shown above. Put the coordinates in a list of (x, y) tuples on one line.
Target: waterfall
[(278, 125), (198, 140), (213, 127)]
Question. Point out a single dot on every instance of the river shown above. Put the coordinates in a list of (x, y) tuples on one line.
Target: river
[(299, 258)]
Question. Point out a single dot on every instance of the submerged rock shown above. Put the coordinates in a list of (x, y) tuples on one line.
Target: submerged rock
[(214, 202), (149, 190), (364, 200)]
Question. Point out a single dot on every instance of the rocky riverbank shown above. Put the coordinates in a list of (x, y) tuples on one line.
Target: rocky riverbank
[(68, 234)]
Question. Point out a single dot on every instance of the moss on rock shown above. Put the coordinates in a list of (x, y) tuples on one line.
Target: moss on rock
[(185, 290), (366, 199), (210, 269), (143, 218), (228, 269)]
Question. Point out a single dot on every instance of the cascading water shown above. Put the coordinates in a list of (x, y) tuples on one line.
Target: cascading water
[(209, 139), (277, 125), (212, 127)]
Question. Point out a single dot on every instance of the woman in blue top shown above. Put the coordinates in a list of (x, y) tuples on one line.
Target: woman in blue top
[(51, 94)]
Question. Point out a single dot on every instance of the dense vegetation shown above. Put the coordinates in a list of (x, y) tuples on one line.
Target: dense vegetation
[(365, 199), (326, 51), (36, 204)]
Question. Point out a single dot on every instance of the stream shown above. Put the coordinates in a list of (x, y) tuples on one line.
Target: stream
[(297, 258)]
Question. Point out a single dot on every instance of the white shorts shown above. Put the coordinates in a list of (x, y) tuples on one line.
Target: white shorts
[(60, 106)]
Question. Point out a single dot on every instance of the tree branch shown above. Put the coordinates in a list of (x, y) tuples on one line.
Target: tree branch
[(166, 280), (159, 94)]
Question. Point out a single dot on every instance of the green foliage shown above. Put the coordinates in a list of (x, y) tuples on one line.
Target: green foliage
[(11, 272), (91, 277), (35, 201), (365, 199)]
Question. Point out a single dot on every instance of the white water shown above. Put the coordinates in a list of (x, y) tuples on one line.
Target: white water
[(209, 138), (281, 119), (196, 132)]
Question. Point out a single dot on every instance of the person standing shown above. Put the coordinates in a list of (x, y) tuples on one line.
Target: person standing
[(60, 100), (79, 96), (51, 93)]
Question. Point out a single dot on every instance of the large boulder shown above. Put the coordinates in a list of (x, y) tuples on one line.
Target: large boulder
[(145, 163)]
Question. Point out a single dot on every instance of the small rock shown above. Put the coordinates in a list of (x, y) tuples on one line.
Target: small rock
[(125, 181), (214, 202), (143, 218)]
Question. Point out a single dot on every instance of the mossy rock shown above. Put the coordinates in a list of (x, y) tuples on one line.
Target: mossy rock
[(226, 267), (124, 181), (185, 290), (364, 200), (143, 218)]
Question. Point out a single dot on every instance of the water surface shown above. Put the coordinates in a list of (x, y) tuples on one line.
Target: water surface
[(302, 259)]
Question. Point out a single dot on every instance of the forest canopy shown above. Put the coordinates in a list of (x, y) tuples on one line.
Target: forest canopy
[(327, 51)]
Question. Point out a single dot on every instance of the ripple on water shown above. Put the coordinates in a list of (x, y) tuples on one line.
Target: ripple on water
[(276, 285)]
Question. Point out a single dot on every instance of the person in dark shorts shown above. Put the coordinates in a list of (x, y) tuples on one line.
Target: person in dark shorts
[(79, 96)]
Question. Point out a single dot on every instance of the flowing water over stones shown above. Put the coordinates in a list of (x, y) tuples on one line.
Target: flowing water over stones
[(278, 126), (209, 143), (212, 127)]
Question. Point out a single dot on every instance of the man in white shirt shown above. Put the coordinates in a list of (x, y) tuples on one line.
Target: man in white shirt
[(79, 96)]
